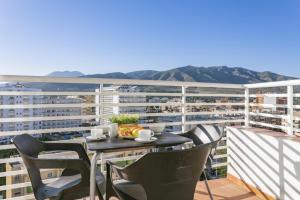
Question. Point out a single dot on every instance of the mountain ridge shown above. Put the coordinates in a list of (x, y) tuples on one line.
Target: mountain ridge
[(214, 74), (65, 74)]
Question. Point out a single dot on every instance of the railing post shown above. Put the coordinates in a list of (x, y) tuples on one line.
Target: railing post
[(290, 109), (183, 111), (247, 107), (98, 100)]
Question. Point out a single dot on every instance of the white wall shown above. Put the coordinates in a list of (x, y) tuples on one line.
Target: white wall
[(269, 163)]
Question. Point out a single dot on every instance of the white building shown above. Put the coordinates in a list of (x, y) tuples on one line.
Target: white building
[(19, 112), (113, 97), (65, 111), (23, 99)]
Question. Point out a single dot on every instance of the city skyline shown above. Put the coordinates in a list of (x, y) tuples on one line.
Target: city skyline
[(38, 38)]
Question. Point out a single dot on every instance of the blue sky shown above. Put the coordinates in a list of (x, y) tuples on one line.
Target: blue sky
[(38, 37)]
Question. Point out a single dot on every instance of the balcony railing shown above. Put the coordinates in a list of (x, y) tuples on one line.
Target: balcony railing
[(68, 108)]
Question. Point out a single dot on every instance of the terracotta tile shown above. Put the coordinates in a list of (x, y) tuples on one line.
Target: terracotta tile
[(223, 189)]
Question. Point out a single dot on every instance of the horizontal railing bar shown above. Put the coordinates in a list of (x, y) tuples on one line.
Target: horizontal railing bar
[(107, 116), (220, 156), (296, 94), (223, 164), (214, 121), (19, 172), (156, 114), (10, 160), (268, 95), (23, 106), (22, 185), (171, 94), (268, 115), (141, 104), (297, 118), (7, 146), (213, 95), (117, 159), (267, 125), (162, 124), (25, 197), (176, 114), (69, 154), (215, 113), (77, 80), (44, 131), (297, 129), (273, 84), (215, 104), (48, 118), (222, 147), (268, 105), (108, 93), (45, 93), (77, 140)]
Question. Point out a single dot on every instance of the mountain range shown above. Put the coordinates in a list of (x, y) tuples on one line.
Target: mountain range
[(217, 74)]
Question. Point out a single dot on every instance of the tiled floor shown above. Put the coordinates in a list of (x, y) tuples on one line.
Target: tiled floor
[(223, 189)]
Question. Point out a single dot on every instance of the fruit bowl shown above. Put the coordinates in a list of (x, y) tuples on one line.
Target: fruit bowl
[(129, 131)]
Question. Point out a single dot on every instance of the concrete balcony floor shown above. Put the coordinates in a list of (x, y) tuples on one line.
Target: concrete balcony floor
[(223, 189)]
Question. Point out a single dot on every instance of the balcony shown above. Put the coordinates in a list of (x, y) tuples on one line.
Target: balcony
[(259, 158)]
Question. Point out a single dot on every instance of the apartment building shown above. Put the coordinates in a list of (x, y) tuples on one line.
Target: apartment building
[(19, 112), (71, 111), (112, 96)]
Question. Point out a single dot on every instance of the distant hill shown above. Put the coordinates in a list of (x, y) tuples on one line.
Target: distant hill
[(66, 74), (217, 74)]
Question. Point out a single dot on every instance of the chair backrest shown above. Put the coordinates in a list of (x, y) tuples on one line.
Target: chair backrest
[(169, 174), (203, 134), (29, 148)]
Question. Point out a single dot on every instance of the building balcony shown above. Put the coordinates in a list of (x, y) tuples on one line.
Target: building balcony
[(259, 157)]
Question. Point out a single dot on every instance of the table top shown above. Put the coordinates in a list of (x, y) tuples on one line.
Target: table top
[(117, 144)]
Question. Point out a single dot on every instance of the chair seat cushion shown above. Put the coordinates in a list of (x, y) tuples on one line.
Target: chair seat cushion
[(55, 188), (135, 191)]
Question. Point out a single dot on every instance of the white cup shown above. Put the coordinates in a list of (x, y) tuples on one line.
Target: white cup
[(97, 132), (146, 134)]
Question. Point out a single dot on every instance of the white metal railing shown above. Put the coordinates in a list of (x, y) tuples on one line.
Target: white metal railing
[(278, 107), (185, 104), (178, 105)]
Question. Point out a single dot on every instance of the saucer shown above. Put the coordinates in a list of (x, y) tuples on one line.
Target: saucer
[(145, 141), (91, 138)]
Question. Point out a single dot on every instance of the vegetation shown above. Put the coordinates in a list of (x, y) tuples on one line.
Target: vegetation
[(125, 119)]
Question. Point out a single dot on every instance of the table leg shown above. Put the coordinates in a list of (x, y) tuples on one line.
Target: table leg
[(109, 189), (93, 175)]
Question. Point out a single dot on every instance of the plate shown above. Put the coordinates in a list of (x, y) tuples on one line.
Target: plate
[(145, 141), (91, 138), (127, 137)]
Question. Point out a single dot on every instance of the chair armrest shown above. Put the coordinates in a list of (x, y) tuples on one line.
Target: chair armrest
[(78, 148), (76, 164)]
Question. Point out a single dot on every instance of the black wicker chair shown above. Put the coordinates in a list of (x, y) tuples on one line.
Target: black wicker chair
[(161, 175), (75, 178), (204, 134)]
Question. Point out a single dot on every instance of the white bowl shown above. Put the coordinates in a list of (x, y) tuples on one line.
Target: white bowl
[(157, 129)]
